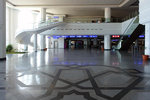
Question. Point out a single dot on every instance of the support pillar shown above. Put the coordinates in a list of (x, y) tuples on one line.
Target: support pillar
[(147, 39), (107, 15), (49, 43), (42, 42), (42, 37), (43, 14), (25, 47), (2, 29), (107, 42), (35, 42)]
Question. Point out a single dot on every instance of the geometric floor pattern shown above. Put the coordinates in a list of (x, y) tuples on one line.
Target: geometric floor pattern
[(78, 83)]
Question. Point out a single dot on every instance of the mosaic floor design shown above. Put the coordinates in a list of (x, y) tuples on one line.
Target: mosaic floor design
[(77, 83)]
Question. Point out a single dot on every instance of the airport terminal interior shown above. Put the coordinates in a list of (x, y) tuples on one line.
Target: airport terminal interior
[(74, 50)]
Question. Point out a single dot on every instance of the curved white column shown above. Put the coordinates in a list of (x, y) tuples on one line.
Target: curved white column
[(2, 29)]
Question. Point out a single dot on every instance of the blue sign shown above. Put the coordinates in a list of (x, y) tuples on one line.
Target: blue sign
[(114, 40), (74, 36), (85, 36), (141, 36), (78, 36), (56, 17)]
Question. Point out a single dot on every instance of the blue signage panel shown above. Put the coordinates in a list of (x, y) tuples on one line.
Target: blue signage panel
[(75, 36), (56, 17)]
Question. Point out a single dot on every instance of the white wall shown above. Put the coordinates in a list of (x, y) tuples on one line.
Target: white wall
[(144, 10), (15, 21), (86, 29), (94, 28), (11, 26), (60, 42)]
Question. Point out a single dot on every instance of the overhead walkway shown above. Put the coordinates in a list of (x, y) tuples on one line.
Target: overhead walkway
[(24, 37), (60, 28)]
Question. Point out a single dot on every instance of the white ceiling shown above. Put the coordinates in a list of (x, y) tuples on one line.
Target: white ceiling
[(77, 7), (65, 2)]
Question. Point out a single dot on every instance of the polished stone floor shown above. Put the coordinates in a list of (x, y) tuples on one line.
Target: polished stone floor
[(59, 74)]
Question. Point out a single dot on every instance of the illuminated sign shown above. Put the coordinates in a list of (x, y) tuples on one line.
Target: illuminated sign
[(114, 40), (85, 36), (78, 36), (115, 36), (141, 36), (74, 36), (56, 17)]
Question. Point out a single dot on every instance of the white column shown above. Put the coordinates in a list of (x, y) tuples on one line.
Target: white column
[(107, 15), (2, 29), (52, 43), (35, 42), (49, 43), (42, 37), (144, 9), (107, 37), (43, 14), (147, 39), (25, 47), (107, 42), (42, 42)]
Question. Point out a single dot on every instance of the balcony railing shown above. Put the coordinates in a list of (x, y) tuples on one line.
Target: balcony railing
[(100, 20)]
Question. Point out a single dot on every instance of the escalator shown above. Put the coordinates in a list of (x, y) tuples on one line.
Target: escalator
[(130, 34), (129, 41)]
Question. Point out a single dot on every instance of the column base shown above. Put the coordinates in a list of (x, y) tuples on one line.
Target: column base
[(2, 59), (43, 49)]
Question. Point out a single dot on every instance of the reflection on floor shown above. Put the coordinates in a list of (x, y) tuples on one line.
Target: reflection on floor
[(77, 75)]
